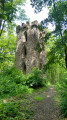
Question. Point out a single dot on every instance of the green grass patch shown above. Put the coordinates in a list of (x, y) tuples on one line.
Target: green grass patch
[(38, 98)]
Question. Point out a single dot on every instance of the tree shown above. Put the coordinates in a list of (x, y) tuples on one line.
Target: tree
[(58, 17), (8, 12), (7, 49)]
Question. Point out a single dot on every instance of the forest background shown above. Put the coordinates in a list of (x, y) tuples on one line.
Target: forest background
[(12, 81)]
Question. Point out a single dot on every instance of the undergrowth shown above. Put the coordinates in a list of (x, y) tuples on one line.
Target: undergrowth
[(15, 110), (14, 84), (61, 88)]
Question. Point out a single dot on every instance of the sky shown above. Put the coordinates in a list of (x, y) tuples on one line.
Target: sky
[(33, 16)]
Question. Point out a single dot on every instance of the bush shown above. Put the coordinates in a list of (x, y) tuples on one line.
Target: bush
[(34, 79), (16, 110), (12, 82), (14, 74), (8, 87), (9, 111), (61, 88)]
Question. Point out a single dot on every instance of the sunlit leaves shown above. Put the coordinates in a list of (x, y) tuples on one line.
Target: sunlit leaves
[(8, 12), (58, 17), (7, 49)]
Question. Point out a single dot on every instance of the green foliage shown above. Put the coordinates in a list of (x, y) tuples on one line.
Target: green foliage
[(8, 110), (7, 50), (55, 53), (38, 98), (57, 17), (14, 74), (61, 89), (12, 82), (39, 4), (10, 10), (40, 46), (34, 79), (14, 111)]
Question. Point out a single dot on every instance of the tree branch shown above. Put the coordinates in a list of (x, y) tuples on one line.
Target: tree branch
[(2, 29)]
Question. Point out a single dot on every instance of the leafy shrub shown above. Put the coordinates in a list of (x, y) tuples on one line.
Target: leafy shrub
[(7, 86), (14, 74), (61, 88), (34, 79), (64, 107), (15, 111), (8, 110), (12, 82)]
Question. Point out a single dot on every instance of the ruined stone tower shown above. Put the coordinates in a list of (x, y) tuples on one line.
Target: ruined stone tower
[(27, 56)]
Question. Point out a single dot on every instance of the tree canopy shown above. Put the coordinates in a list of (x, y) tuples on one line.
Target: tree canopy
[(58, 17), (8, 12)]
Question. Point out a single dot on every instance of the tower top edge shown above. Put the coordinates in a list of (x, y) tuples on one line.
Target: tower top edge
[(25, 26)]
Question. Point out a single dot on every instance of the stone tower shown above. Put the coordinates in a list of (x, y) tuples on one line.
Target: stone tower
[(27, 56)]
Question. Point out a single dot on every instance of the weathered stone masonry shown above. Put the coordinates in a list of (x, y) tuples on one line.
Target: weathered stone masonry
[(27, 56)]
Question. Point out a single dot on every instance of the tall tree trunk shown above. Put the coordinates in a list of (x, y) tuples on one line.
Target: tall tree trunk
[(54, 4), (2, 28), (66, 55), (2, 22)]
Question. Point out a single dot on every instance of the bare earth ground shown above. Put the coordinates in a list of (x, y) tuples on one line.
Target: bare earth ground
[(46, 109)]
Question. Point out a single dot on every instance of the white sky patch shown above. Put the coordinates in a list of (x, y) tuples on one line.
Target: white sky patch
[(33, 16)]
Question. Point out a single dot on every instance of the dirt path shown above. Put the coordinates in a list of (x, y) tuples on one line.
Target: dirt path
[(46, 109)]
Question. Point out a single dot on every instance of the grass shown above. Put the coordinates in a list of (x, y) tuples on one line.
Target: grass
[(19, 107), (15, 108), (38, 98)]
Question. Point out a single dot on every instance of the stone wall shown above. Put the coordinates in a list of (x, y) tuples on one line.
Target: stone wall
[(27, 56)]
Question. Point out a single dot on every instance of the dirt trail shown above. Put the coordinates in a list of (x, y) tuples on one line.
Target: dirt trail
[(46, 109)]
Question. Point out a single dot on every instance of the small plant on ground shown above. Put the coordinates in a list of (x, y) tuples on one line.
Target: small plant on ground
[(38, 98)]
